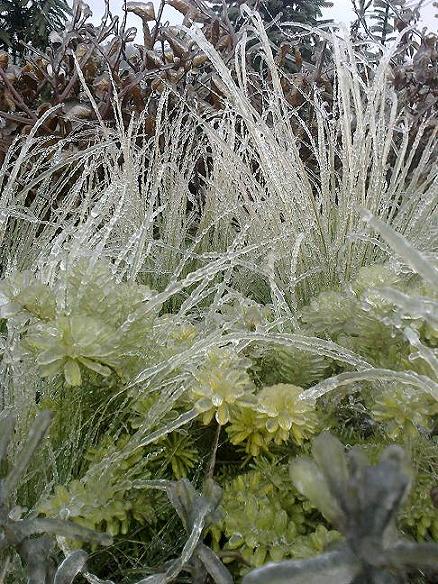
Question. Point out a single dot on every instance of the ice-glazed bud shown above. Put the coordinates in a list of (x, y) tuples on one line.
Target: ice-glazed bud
[(285, 415), (220, 384), (69, 342)]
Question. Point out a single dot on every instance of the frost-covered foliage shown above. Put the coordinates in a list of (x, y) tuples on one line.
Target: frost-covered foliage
[(362, 500), (197, 511), (186, 325), (29, 535)]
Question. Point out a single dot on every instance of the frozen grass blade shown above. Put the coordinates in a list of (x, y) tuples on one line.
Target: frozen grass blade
[(36, 435), (404, 249), (343, 379)]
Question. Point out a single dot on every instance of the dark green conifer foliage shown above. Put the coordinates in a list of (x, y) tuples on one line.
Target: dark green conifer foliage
[(277, 14), (22, 21), (381, 20), (303, 11)]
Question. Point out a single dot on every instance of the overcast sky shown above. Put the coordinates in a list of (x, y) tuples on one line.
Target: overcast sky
[(341, 12)]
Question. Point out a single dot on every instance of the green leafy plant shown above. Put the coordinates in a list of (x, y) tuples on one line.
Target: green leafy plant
[(362, 501), (179, 453), (108, 502), (404, 412), (32, 22), (420, 512), (278, 522)]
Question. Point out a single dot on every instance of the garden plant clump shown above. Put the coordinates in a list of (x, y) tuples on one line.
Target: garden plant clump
[(219, 301)]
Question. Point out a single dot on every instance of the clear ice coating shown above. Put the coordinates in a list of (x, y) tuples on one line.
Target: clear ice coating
[(29, 537), (196, 512)]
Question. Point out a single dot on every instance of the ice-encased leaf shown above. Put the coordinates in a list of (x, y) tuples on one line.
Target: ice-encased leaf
[(213, 492), (144, 10), (29, 527), (311, 482), (380, 491), (70, 567), (337, 567), (182, 495), (218, 572), (329, 454)]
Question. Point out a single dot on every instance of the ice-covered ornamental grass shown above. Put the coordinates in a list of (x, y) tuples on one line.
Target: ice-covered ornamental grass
[(204, 325)]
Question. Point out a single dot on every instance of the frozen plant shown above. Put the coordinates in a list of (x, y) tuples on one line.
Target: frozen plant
[(277, 415), (197, 512), (221, 384), (362, 502), (414, 315), (30, 536), (278, 523)]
